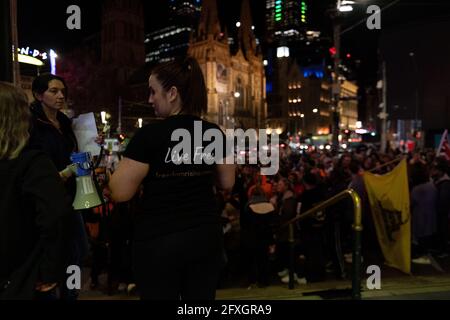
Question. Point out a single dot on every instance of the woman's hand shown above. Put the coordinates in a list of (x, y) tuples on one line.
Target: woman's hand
[(68, 172), (45, 287), (100, 140)]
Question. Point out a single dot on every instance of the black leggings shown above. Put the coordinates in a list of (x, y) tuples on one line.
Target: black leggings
[(183, 265)]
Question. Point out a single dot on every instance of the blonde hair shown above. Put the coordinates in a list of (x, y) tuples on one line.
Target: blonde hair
[(14, 121)]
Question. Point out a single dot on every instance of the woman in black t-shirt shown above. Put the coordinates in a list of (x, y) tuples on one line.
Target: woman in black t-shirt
[(178, 250)]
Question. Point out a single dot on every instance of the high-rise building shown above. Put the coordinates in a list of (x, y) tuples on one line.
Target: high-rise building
[(173, 40), (286, 19)]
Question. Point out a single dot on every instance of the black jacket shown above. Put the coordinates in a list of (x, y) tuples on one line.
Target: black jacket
[(57, 144), (33, 225)]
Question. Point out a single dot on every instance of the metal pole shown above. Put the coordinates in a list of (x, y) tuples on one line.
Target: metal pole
[(384, 114), (356, 263), (15, 43), (416, 73), (291, 257), (336, 84), (6, 70), (119, 128)]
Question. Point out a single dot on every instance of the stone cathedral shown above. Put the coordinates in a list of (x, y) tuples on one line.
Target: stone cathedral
[(235, 76)]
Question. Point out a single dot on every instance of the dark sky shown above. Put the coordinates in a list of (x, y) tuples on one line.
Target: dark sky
[(42, 24)]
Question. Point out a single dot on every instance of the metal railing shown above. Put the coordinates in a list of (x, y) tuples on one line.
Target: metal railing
[(357, 228)]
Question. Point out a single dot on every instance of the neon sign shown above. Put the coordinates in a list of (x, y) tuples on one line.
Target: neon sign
[(33, 53), (35, 57)]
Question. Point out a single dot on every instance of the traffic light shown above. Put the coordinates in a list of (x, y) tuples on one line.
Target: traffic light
[(333, 51)]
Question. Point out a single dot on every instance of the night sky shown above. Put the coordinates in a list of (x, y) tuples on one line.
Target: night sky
[(42, 24)]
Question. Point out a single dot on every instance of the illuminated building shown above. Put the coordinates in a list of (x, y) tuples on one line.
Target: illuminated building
[(235, 80), (173, 40), (286, 19)]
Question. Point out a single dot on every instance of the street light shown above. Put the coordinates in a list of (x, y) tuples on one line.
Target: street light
[(345, 6), (103, 115)]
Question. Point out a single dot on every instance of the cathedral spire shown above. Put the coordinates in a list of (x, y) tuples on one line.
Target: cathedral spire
[(209, 21), (247, 38)]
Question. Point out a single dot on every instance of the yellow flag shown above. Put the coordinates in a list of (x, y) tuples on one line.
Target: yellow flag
[(389, 200)]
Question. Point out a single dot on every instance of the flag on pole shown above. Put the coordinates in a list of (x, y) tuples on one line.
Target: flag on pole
[(389, 199), (444, 147)]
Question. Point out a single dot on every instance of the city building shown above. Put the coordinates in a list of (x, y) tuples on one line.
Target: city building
[(298, 100), (235, 80), (173, 40), (348, 106), (107, 61), (286, 20)]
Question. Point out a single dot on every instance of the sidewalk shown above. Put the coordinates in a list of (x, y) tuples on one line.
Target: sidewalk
[(436, 287)]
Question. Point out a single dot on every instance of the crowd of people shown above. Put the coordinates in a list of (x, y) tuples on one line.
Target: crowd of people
[(323, 244), (181, 231)]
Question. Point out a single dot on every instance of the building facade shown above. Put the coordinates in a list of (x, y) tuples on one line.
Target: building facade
[(299, 100), (348, 105), (173, 40), (235, 81), (286, 19)]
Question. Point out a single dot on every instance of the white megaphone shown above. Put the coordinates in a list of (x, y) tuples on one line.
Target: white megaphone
[(87, 196)]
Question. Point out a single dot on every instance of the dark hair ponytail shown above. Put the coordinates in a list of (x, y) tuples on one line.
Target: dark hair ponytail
[(187, 76)]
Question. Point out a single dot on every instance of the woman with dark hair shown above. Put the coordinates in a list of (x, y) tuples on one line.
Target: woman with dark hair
[(51, 132), (178, 249), (32, 207)]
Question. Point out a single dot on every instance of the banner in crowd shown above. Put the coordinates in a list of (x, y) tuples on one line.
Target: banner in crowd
[(444, 146), (390, 203)]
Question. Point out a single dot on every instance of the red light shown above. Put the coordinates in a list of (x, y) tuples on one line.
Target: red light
[(333, 51), (349, 55)]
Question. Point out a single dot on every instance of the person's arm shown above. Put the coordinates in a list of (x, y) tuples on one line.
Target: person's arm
[(127, 178), (226, 175)]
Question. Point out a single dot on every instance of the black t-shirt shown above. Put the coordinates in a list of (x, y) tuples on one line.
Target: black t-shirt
[(176, 197)]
